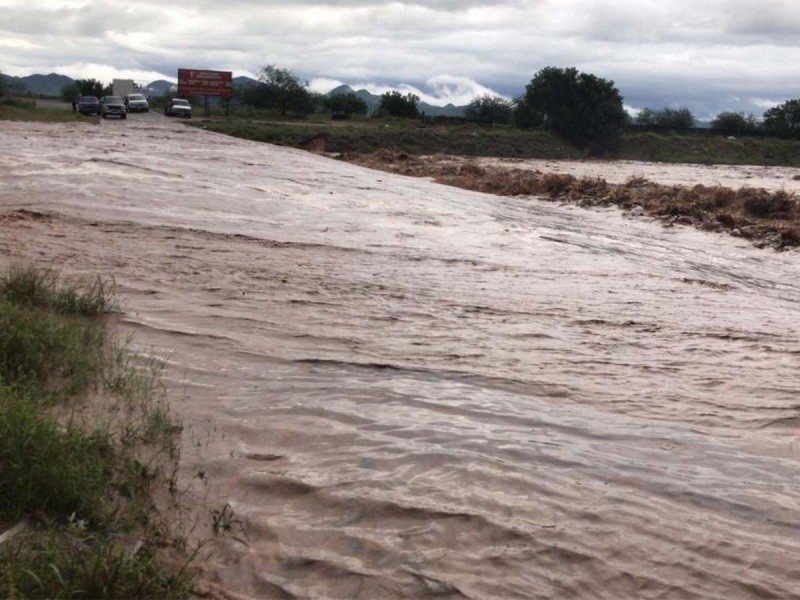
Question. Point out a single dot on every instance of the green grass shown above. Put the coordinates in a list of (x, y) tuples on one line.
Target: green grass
[(15, 109), (46, 341), (85, 437), (59, 357), (46, 468), (705, 148), (70, 562), (366, 136), (43, 288)]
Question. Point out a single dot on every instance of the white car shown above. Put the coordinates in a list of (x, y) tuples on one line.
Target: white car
[(178, 108), (136, 103)]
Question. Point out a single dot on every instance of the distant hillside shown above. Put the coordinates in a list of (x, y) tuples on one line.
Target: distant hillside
[(44, 85), (373, 101), (448, 110), (244, 82), (160, 87)]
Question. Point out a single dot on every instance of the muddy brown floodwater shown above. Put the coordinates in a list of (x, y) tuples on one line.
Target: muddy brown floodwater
[(409, 390)]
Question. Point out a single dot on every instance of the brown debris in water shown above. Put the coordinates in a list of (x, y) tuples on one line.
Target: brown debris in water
[(769, 219), (22, 214)]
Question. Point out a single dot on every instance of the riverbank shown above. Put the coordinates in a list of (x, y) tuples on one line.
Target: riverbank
[(87, 444)]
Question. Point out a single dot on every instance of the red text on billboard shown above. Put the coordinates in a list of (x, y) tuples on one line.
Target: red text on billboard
[(195, 82)]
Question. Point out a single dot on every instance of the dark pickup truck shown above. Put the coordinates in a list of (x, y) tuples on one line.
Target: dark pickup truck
[(113, 105), (88, 105)]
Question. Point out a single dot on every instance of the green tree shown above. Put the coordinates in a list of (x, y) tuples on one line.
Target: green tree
[(2, 84), (490, 109), (281, 89), (84, 87), (398, 105), (70, 91), (525, 116), (677, 118), (585, 109), (646, 116), (734, 121), (783, 120), (346, 104)]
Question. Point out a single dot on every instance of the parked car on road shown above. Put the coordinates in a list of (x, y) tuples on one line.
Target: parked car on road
[(136, 103), (178, 108), (88, 105), (113, 105)]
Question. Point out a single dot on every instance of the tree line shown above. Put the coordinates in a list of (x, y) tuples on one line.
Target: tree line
[(84, 87), (584, 109)]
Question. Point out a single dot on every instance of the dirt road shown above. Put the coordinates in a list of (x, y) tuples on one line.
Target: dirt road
[(409, 390)]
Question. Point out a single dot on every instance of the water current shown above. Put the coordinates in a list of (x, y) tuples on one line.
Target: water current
[(409, 390)]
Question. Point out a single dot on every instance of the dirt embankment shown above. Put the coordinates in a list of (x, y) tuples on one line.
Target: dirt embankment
[(768, 218)]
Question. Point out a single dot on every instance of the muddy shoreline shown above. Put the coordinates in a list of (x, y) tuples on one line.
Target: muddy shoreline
[(770, 219)]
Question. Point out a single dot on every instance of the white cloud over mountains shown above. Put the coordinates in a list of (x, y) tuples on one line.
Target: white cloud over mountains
[(700, 54), (439, 90)]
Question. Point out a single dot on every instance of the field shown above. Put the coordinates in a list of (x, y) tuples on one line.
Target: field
[(415, 138), (45, 111)]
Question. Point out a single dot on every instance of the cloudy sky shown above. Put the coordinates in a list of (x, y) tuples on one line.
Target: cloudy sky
[(708, 55)]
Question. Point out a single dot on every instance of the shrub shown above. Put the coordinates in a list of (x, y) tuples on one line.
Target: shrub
[(760, 203)]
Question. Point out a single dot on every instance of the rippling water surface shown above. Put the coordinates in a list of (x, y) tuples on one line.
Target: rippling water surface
[(409, 390)]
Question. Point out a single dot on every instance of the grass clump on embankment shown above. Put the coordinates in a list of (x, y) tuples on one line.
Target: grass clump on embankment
[(86, 442)]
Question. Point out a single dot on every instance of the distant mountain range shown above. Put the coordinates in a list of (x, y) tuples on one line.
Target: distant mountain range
[(52, 84), (374, 101), (46, 85)]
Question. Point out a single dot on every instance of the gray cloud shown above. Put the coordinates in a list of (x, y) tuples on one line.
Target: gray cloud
[(715, 55)]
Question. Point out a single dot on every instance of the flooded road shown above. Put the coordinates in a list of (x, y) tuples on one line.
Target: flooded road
[(409, 390)]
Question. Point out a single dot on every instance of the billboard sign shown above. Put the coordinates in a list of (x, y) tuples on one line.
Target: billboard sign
[(193, 82)]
